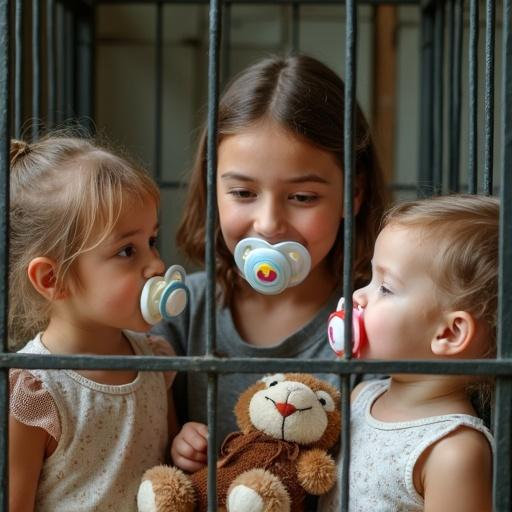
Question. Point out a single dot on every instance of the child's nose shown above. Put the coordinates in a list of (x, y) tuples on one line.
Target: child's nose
[(359, 297), (155, 267), (270, 220)]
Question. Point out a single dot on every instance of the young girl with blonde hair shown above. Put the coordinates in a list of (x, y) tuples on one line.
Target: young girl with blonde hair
[(417, 443), (279, 194), (82, 247)]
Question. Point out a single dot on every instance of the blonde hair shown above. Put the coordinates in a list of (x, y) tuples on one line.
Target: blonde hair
[(465, 229), (66, 195)]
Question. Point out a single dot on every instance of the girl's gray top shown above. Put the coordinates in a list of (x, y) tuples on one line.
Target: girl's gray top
[(187, 335)]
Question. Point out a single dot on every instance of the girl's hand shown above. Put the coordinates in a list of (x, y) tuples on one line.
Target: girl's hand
[(189, 447)]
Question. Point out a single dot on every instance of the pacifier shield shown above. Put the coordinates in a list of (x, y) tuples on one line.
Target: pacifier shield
[(336, 331), (164, 297), (270, 269)]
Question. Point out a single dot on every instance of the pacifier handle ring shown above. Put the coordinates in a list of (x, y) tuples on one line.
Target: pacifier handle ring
[(175, 273)]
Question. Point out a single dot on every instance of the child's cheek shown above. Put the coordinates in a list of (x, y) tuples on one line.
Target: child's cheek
[(123, 295)]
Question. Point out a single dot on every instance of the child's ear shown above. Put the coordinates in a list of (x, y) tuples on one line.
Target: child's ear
[(454, 335), (42, 272)]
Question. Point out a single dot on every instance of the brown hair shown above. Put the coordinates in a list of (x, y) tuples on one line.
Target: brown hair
[(465, 229), (306, 98), (66, 195)]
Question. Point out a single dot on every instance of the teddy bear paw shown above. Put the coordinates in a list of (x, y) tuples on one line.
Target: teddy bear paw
[(257, 490), (165, 489), (146, 499), (243, 498)]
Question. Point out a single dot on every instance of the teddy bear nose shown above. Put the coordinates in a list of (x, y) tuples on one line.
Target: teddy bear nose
[(285, 409)]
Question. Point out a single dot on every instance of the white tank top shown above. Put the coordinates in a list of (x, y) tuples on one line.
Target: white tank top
[(383, 455), (110, 434)]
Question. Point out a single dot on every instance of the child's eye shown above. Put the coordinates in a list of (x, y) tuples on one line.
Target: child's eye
[(304, 198), (127, 252), (241, 193), (384, 290), (153, 241)]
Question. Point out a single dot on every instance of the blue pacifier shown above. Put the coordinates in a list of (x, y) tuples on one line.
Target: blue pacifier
[(270, 269), (164, 297)]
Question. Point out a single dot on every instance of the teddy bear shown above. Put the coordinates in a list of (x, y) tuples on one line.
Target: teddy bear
[(287, 422)]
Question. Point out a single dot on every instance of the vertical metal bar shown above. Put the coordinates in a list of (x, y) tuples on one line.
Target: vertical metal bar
[(211, 216), (490, 25), (50, 63), (84, 64), (425, 176), (456, 30), (69, 68), (473, 98), (61, 58), (159, 20), (18, 70), (226, 43), (295, 27), (438, 97), (4, 245), (502, 498), (36, 68), (349, 229)]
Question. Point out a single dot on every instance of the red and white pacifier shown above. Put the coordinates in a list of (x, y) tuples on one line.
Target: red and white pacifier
[(336, 330)]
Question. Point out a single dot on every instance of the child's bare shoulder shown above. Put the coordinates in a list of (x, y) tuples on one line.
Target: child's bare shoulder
[(462, 460), (461, 450)]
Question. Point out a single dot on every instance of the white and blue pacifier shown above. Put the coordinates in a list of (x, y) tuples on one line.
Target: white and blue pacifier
[(270, 269), (164, 297)]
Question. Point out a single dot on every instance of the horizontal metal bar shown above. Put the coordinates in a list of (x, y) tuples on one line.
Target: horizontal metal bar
[(315, 2), (501, 367)]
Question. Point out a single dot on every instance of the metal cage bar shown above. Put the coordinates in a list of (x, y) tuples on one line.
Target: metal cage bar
[(349, 232), (4, 242), (425, 163), (456, 24), (18, 70), (211, 216), (503, 407), (490, 35), (51, 66), (36, 68), (438, 93), (159, 89), (473, 98)]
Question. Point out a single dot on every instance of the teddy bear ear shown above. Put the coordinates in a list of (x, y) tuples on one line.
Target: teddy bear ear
[(326, 400), (272, 380)]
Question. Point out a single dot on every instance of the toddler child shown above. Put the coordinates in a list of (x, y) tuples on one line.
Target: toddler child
[(82, 246), (416, 441)]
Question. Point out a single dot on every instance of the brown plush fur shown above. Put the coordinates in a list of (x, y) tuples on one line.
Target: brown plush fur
[(280, 472), (315, 469), (331, 434), (268, 486), (173, 490)]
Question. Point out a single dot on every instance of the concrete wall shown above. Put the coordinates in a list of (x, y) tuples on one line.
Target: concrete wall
[(125, 79)]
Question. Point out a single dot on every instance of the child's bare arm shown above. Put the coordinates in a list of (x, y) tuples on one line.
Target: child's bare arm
[(27, 447), (457, 474)]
